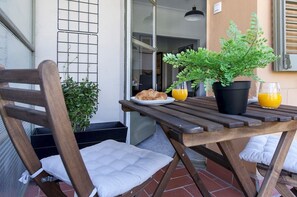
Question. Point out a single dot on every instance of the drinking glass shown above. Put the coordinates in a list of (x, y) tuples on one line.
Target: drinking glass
[(269, 95), (180, 92)]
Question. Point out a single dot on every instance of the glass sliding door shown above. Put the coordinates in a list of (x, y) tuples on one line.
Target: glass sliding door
[(143, 45), (140, 61)]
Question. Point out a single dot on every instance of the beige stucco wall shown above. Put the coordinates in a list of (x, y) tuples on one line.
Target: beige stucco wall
[(232, 10), (240, 13), (288, 80)]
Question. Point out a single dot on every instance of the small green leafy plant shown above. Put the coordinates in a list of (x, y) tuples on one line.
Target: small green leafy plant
[(240, 54), (81, 100)]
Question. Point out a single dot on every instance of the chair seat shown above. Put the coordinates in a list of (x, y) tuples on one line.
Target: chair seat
[(114, 167), (260, 149)]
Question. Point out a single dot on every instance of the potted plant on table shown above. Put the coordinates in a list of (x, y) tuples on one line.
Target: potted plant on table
[(240, 54), (81, 99)]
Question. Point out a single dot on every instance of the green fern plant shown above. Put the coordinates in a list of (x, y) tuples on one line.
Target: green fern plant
[(240, 54)]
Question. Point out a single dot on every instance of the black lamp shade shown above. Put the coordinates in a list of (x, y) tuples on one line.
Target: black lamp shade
[(194, 15)]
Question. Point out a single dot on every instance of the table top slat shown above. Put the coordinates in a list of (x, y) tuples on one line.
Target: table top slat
[(246, 120), (260, 114), (166, 119), (283, 109), (206, 124), (285, 116), (206, 114)]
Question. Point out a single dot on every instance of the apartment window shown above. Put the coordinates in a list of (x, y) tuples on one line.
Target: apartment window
[(285, 34)]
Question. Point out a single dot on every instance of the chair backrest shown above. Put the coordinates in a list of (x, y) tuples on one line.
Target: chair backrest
[(50, 112)]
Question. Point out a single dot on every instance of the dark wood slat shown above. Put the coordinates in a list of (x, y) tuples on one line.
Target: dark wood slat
[(290, 116), (166, 119), (27, 114), (247, 121), (200, 112), (206, 124), (282, 108), (31, 97), (270, 116), (261, 116), (294, 108), (209, 102), (204, 104), (20, 76), (206, 100)]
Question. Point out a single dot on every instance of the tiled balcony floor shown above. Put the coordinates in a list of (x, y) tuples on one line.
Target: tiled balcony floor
[(180, 185)]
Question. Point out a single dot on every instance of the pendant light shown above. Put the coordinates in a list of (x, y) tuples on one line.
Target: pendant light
[(194, 14)]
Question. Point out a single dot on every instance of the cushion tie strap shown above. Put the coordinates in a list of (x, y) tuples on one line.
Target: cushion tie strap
[(26, 176), (94, 192)]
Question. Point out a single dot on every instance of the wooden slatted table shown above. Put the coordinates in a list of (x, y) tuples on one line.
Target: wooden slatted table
[(196, 122)]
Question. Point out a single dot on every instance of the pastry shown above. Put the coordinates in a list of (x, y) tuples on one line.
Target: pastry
[(151, 95)]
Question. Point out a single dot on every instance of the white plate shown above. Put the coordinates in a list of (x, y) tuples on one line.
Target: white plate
[(152, 102)]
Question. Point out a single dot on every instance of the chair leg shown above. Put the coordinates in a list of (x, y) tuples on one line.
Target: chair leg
[(284, 190)]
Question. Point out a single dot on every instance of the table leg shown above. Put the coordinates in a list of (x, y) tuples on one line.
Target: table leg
[(166, 177), (180, 150), (276, 164), (240, 172)]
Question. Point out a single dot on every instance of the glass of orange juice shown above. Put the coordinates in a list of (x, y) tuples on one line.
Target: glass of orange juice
[(269, 95), (180, 92)]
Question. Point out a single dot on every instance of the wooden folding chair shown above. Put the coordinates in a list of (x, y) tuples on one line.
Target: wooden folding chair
[(285, 179), (51, 112), (260, 150)]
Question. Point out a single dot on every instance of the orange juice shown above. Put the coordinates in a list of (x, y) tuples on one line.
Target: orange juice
[(180, 94), (270, 100)]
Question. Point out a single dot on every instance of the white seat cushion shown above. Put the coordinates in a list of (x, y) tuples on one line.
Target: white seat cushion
[(260, 149), (114, 167)]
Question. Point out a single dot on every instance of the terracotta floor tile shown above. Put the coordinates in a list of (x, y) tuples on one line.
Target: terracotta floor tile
[(179, 182), (150, 188), (32, 190), (177, 193), (219, 171), (211, 184), (143, 194), (227, 192), (192, 189), (206, 173), (158, 176), (179, 172)]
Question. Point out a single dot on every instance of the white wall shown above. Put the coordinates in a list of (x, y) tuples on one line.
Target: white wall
[(110, 57)]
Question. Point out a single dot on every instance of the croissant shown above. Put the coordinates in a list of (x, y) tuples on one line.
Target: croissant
[(151, 94)]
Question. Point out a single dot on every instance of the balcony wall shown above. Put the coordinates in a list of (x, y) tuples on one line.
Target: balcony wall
[(110, 57)]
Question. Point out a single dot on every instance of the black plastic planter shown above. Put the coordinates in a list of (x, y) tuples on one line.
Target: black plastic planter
[(44, 145), (232, 99)]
